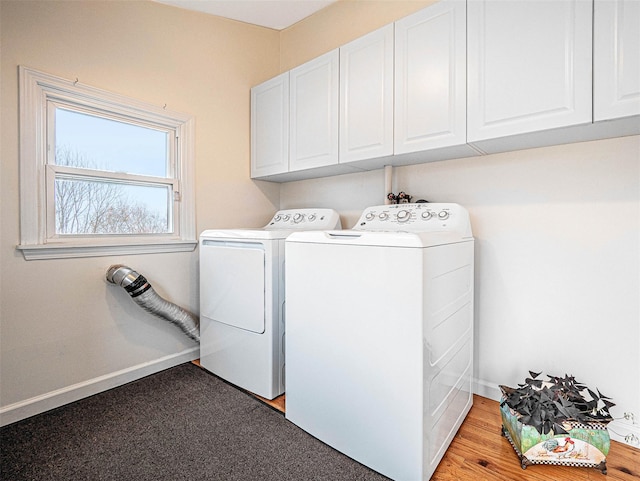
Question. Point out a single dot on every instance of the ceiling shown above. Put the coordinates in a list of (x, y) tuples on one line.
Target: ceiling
[(275, 14)]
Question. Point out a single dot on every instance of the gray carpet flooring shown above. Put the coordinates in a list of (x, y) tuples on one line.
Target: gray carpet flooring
[(179, 424)]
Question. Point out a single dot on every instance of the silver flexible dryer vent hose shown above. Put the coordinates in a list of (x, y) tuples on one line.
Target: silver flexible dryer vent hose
[(146, 297)]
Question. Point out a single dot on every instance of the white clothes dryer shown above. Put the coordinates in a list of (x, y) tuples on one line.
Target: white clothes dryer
[(242, 299), (380, 335)]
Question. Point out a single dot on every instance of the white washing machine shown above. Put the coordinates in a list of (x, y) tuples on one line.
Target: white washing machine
[(242, 299), (380, 335)]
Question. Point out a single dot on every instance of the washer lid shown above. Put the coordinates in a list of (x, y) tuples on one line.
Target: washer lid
[(377, 238)]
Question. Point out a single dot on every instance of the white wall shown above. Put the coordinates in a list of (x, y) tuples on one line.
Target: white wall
[(557, 256), (557, 229), (65, 332)]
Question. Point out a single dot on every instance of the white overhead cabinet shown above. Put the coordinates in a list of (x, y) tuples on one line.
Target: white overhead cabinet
[(366, 97), (430, 81), (313, 111), (270, 127), (455, 79), (529, 67), (616, 59)]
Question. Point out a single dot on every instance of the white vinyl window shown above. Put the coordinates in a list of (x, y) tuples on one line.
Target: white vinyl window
[(101, 174)]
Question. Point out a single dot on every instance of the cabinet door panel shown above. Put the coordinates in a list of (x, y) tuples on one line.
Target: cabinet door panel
[(430, 76), (529, 66), (616, 59), (270, 127), (314, 113), (366, 96)]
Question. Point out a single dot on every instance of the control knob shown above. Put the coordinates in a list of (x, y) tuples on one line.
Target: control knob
[(370, 216), (312, 217), (298, 218), (404, 216), (443, 214), (383, 216), (427, 215)]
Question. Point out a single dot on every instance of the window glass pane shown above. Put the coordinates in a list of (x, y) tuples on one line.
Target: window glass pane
[(97, 143), (97, 207)]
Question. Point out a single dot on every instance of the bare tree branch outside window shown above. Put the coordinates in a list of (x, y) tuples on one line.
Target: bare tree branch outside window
[(96, 206)]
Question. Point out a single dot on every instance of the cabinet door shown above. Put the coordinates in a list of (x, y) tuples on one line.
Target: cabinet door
[(313, 139), (529, 66), (366, 96), (616, 59), (430, 78), (270, 127)]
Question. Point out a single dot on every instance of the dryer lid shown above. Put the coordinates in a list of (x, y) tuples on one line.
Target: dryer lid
[(283, 223), (257, 234), (234, 284)]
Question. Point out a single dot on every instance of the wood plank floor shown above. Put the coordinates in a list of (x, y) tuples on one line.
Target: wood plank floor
[(480, 453)]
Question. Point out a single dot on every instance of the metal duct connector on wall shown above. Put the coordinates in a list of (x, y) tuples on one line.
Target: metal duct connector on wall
[(146, 297)]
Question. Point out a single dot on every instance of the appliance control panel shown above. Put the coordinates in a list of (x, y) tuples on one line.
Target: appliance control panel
[(422, 217), (305, 219)]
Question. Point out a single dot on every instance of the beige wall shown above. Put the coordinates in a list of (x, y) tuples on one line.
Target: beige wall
[(338, 24), (63, 326)]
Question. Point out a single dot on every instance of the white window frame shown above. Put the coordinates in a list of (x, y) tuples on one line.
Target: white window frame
[(38, 91)]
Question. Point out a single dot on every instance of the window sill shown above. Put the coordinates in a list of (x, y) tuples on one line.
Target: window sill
[(65, 251)]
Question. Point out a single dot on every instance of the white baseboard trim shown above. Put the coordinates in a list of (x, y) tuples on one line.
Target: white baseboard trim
[(486, 389), (44, 402), (620, 429)]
